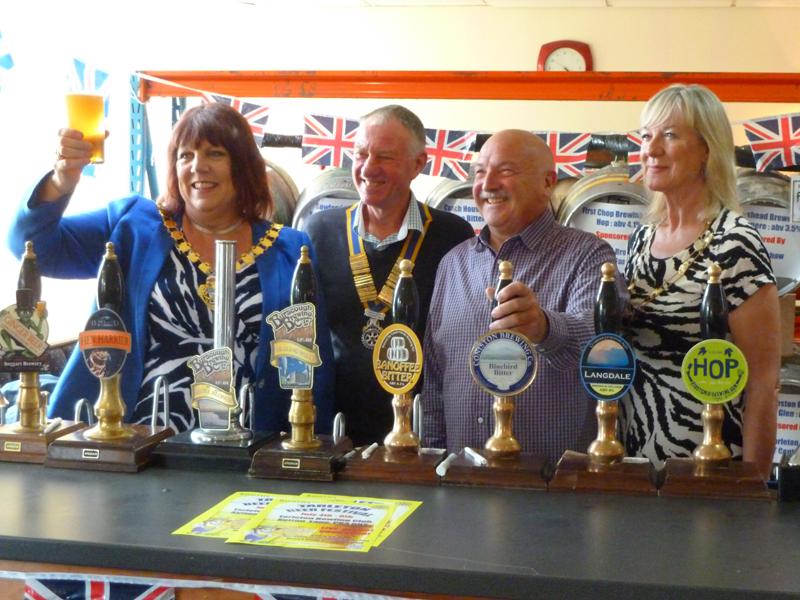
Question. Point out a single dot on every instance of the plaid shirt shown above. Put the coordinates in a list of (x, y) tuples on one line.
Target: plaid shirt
[(560, 264)]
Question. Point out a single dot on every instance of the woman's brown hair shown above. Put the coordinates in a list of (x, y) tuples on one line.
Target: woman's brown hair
[(221, 125)]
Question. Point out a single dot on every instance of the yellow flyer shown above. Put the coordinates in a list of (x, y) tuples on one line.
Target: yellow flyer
[(321, 524), (225, 518), (400, 510)]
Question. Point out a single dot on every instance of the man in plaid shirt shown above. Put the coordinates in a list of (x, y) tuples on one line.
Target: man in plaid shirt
[(551, 301)]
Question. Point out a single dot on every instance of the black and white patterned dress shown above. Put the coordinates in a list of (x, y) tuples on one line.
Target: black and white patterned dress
[(180, 326), (659, 418)]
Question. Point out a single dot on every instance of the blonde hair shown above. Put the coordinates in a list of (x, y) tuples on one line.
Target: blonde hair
[(702, 111)]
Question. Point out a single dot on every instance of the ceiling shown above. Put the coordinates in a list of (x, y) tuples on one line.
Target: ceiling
[(541, 3)]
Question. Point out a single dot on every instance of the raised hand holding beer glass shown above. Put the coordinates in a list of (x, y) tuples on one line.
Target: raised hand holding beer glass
[(73, 153)]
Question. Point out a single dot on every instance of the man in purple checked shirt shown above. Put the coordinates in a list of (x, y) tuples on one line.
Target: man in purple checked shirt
[(551, 301)]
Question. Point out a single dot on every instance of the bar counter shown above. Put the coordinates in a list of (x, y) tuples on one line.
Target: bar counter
[(477, 542)]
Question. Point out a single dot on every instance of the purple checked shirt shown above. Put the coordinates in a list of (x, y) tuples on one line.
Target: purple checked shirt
[(562, 266)]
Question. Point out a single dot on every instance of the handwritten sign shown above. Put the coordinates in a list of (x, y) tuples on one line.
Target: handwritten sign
[(612, 222)]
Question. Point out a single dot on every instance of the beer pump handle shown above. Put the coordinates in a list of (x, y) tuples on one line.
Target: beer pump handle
[(304, 285), (607, 307), (110, 285), (504, 278), (713, 307), (405, 302), (29, 276)]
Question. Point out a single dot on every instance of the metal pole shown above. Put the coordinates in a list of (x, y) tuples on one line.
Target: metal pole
[(224, 294)]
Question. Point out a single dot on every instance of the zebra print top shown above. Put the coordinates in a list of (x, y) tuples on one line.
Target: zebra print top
[(180, 326), (659, 418)]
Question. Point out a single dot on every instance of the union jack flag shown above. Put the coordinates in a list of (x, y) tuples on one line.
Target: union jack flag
[(328, 141), (635, 164), (775, 141), (255, 114), (449, 153), (6, 61), (66, 589), (569, 151)]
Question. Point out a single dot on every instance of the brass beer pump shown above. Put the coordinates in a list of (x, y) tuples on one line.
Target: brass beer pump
[(713, 325), (109, 408), (397, 364), (111, 444), (24, 339), (504, 363), (607, 449), (29, 291), (302, 412), (405, 311), (711, 471), (31, 401), (301, 454), (502, 443), (604, 467)]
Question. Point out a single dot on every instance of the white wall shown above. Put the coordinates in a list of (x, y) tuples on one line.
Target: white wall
[(186, 34)]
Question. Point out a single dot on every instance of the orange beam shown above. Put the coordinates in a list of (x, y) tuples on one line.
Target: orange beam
[(474, 85)]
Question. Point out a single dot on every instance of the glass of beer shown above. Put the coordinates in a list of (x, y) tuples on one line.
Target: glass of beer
[(85, 113)]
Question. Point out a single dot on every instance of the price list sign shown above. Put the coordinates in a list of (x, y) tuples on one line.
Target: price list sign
[(611, 222), (466, 209), (779, 228)]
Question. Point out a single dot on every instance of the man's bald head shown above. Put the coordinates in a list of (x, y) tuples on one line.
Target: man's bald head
[(514, 177), (526, 144)]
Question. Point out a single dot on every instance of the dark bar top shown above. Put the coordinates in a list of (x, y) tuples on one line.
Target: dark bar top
[(461, 541)]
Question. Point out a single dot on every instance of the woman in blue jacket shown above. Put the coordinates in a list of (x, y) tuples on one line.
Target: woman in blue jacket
[(216, 189)]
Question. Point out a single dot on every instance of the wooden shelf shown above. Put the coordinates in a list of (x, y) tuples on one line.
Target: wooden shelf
[(471, 85)]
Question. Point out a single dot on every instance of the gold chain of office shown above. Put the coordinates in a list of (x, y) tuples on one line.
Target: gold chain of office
[(206, 290), (365, 286), (699, 245)]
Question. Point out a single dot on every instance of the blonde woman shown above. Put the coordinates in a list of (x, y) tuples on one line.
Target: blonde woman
[(688, 158)]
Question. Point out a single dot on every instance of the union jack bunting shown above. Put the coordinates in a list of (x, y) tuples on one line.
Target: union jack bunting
[(301, 597), (328, 141), (64, 589), (255, 114), (635, 165), (310, 594), (775, 141), (569, 151), (449, 153), (6, 62), (86, 78)]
